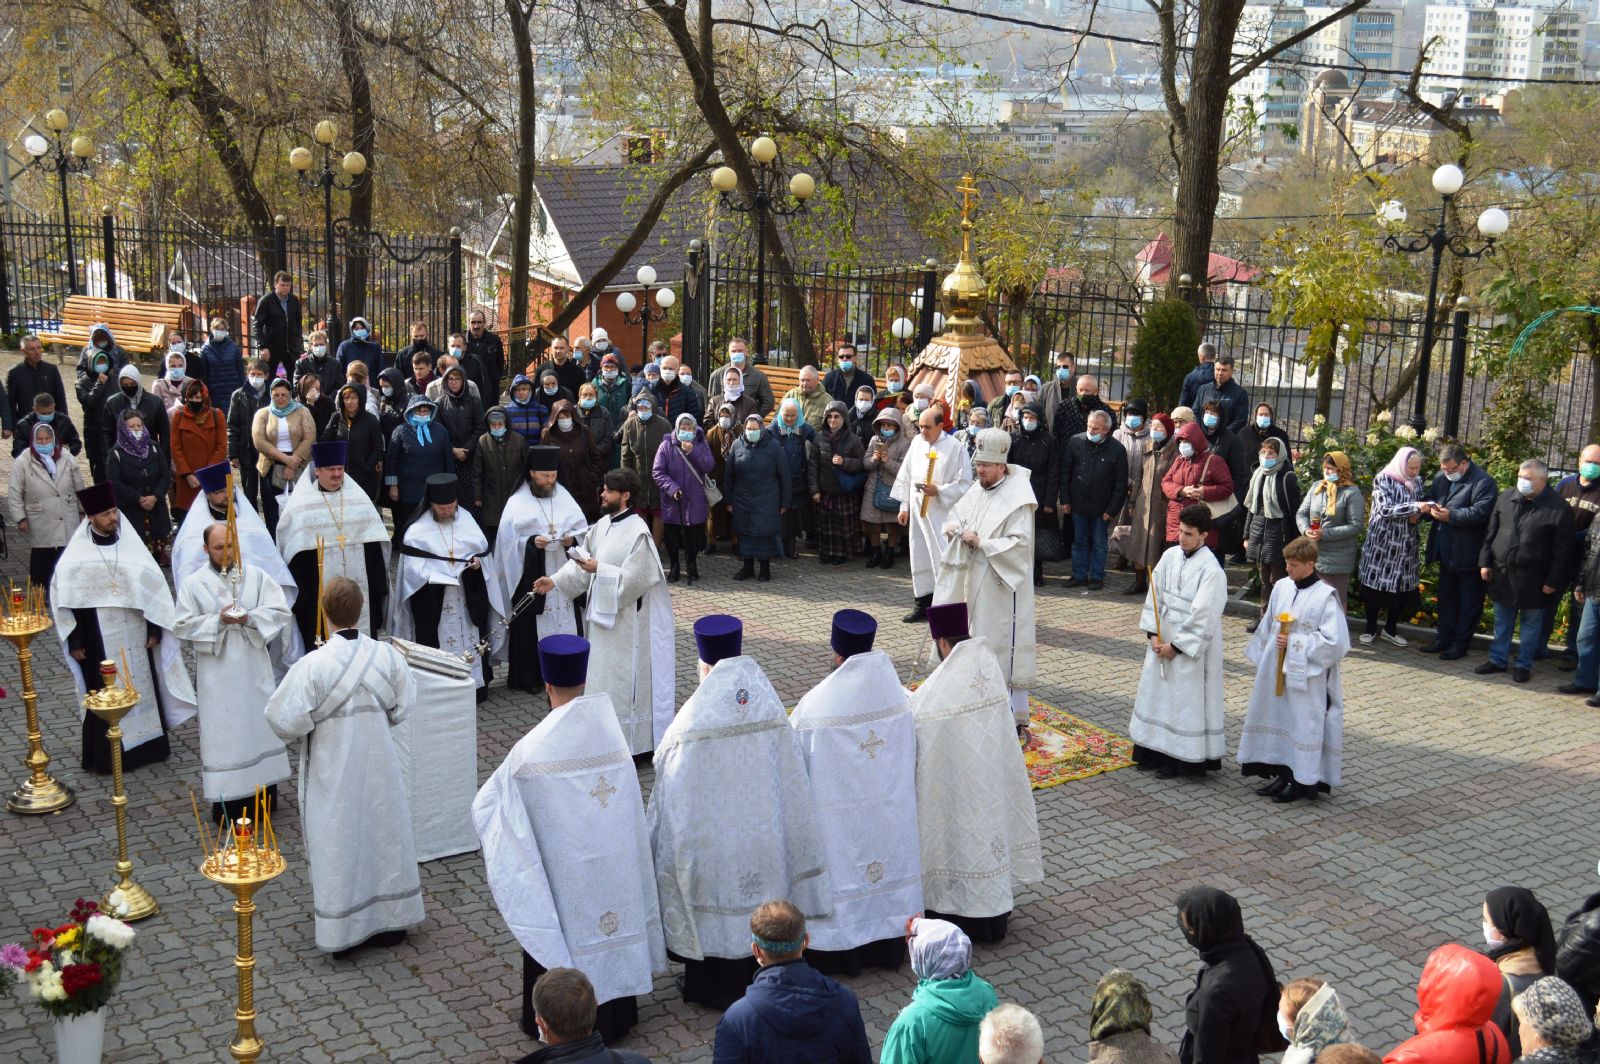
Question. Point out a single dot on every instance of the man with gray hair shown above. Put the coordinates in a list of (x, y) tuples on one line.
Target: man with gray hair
[(813, 401), (1094, 487), (30, 378), (1525, 558), (1200, 376), (565, 1009), (1458, 504), (1010, 1034)]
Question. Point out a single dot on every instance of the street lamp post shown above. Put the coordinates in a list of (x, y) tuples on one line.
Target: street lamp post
[(626, 302), (326, 178), (762, 199), (63, 157), (1492, 223)]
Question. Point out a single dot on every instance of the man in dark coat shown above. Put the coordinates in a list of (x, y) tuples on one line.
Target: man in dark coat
[(791, 1014), (1094, 487), (1236, 990), (1581, 491), (275, 325), (674, 396), (1034, 450), (46, 412), (1460, 501), (242, 407), (406, 357), (490, 351), (359, 346), (846, 376), (1201, 375), (1233, 402), (1226, 446), (1072, 418), (1526, 554), (32, 377), (323, 366), (570, 373)]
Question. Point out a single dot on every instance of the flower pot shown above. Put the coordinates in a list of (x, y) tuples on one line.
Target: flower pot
[(79, 1039)]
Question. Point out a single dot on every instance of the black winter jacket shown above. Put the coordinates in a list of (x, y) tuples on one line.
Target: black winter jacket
[(1455, 543), (1528, 546), (1094, 476)]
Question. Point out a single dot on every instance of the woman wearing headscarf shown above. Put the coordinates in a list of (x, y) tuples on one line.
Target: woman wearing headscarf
[(757, 494), (169, 386), (1270, 503), (681, 465), (1133, 433), (597, 419), (97, 383), (580, 468), (500, 465), (1034, 449), (419, 448), (894, 396), (1330, 515), (1519, 939), (141, 476), (1147, 526), (1235, 992), (353, 421), (1312, 1018), (1119, 1023), (1196, 475), (940, 1026), (1456, 996), (977, 421), (833, 472), (1555, 1024), (735, 396), (461, 412), (1390, 566), (283, 432), (1263, 428), (199, 439), (641, 437), (722, 430), (861, 415), (43, 503)]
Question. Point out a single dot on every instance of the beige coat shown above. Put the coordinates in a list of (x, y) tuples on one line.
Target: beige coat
[(49, 504), (302, 434)]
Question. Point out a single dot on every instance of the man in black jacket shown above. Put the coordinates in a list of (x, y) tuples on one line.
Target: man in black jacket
[(276, 323), (1226, 446), (1458, 504), (1034, 450), (31, 377), (46, 411), (490, 351), (565, 1010), (1094, 486), (1233, 402), (405, 358), (1201, 375), (1526, 554), (242, 407)]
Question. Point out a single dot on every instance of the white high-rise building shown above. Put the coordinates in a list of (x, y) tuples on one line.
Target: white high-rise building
[(1517, 39)]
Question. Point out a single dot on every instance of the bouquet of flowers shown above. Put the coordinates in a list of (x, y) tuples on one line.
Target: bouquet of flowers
[(72, 969)]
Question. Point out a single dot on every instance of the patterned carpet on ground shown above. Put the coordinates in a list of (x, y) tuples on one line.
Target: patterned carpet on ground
[(1063, 747)]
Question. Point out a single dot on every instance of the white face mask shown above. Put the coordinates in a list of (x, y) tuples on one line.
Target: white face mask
[(1285, 1028), (609, 374), (733, 391), (863, 405), (219, 334), (669, 376), (1029, 424), (564, 424), (920, 404), (725, 423), (1491, 936), (1186, 449)]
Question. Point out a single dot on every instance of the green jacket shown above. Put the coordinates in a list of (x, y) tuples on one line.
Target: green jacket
[(940, 1026)]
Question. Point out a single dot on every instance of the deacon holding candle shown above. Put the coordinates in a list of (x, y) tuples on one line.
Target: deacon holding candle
[(934, 474), (1294, 730)]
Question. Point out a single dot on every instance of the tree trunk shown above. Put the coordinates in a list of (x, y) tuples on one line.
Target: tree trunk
[(1200, 142), (527, 160), (1441, 322), (1325, 382), (364, 134)]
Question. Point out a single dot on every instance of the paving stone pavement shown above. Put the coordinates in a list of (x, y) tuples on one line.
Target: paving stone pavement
[(1454, 784)]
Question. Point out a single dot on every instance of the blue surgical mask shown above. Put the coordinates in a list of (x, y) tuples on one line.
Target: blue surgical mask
[(1063, 373), (1263, 422), (1158, 436), (1210, 421), (1269, 461), (497, 431), (737, 358), (45, 419), (1524, 485), (1013, 389), (388, 392), (895, 387), (420, 419), (1095, 437), (360, 334), (1135, 421), (175, 373), (752, 435), (886, 433), (645, 413), (1331, 476), (846, 365), (45, 449), (686, 435), (319, 350), (586, 404)]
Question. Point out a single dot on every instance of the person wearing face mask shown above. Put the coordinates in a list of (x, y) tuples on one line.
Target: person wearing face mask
[(1263, 426), (1094, 489), (391, 398), (674, 394), (1060, 387), (977, 421), (1580, 491), (142, 477), (879, 510), (601, 428), (199, 439), (1134, 435), (131, 395), (681, 464), (46, 412), (1000, 405), (580, 470), (649, 377), (1458, 507), (1271, 502), (641, 437), (360, 346), (1070, 418), (460, 411), (420, 448), (352, 422), (319, 362), (477, 373), (419, 346), (757, 492), (613, 387), (1227, 447), (720, 434), (1233, 402), (525, 415), (1518, 937), (894, 395), (313, 398), (569, 372), (1312, 1018), (921, 400), (834, 475), (1331, 516), (1235, 992), (1034, 450), (169, 386), (222, 360), (284, 431), (756, 384), (1390, 563), (795, 439), (846, 376), (243, 405), (858, 419), (1147, 527), (43, 499), (1526, 556), (498, 465), (1195, 475)]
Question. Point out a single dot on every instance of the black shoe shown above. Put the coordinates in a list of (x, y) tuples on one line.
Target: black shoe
[(916, 616), (1574, 689), (1073, 581), (1253, 625), (1274, 788), (1146, 766), (1239, 559), (747, 570), (1138, 587), (1435, 647), (766, 572), (672, 573), (1292, 793), (1453, 654), (1489, 668), (888, 558), (694, 572), (1566, 664), (842, 559), (1593, 703), (1096, 585), (1520, 675), (874, 558), (711, 548)]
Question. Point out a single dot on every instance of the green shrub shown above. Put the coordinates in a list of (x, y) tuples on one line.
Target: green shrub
[(1164, 352)]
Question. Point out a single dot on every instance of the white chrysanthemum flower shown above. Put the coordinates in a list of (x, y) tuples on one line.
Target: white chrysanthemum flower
[(45, 984), (1372, 439), (116, 903), (1330, 443), (113, 933), (1430, 435), (1385, 417), (1406, 432), (1319, 421)]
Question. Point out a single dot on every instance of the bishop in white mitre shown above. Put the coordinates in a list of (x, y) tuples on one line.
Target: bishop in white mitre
[(988, 563), (231, 615), (732, 819), (566, 850), (860, 745), (977, 823), (110, 602), (934, 475)]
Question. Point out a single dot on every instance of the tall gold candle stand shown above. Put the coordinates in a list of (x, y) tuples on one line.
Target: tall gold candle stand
[(244, 857), (111, 703), (22, 618)]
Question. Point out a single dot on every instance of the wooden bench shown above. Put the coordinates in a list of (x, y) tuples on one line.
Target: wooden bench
[(140, 328)]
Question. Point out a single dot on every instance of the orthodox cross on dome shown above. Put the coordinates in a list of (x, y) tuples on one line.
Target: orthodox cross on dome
[(969, 199)]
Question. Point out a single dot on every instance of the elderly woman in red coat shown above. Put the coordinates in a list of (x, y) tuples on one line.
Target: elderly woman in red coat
[(1196, 475)]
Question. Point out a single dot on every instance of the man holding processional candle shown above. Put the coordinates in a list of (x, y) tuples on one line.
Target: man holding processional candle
[(934, 474), (1177, 725), (1294, 729)]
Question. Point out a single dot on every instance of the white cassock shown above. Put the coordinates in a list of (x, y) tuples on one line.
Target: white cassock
[(234, 677), (975, 812), (1178, 709), (346, 520), (454, 543), (1302, 730), (125, 587), (628, 622), (952, 472), (343, 698), (567, 853), (526, 516), (860, 746), (732, 819), (437, 744), (259, 550), (995, 579)]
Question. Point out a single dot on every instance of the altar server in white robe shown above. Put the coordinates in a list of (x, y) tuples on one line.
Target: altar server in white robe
[(230, 615), (1177, 725), (256, 545), (988, 563), (732, 818), (627, 617), (540, 522), (1297, 737), (975, 814), (860, 744), (342, 699), (109, 599), (566, 851), (941, 484), (355, 545), (441, 592)]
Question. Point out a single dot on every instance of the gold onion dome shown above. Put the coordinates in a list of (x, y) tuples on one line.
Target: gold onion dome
[(964, 292)]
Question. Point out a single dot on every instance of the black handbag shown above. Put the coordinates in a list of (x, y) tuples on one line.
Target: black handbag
[(1047, 543), (881, 497)]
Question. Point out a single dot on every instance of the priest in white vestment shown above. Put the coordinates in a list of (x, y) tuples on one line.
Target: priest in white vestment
[(256, 545), (1177, 725), (732, 819), (977, 823), (441, 594), (1297, 738), (627, 614), (860, 745), (988, 563), (355, 545), (566, 850), (342, 699), (109, 600), (941, 484), (230, 615), (540, 522)]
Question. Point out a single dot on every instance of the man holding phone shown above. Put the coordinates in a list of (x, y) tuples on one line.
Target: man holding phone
[(1458, 504)]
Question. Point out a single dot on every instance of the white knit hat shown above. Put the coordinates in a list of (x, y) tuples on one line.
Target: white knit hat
[(994, 445)]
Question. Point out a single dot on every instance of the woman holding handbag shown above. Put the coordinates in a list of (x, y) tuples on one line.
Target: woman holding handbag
[(1271, 502), (1197, 475), (880, 510), (679, 470)]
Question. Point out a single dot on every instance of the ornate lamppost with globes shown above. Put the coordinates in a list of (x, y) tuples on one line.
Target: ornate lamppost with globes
[(762, 199), (626, 302), (326, 178), (1492, 223), (62, 156)]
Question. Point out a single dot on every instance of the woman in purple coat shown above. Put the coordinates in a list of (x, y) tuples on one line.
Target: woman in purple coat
[(682, 462)]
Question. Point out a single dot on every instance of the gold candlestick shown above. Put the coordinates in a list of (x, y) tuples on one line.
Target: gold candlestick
[(933, 457), (244, 858), (23, 617), (1284, 621), (111, 703)]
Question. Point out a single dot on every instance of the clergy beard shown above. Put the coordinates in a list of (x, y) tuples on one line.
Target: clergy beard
[(541, 493), (611, 509)]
